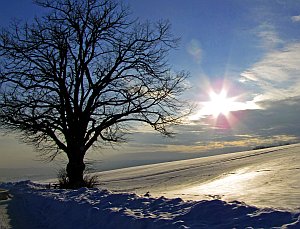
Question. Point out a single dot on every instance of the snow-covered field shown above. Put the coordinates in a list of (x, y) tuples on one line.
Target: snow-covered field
[(254, 189), (264, 178)]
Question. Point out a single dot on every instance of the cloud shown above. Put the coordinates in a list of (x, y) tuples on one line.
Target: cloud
[(276, 76), (279, 119), (296, 18), (194, 49), (268, 35)]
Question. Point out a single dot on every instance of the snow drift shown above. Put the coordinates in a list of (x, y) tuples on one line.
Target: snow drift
[(35, 206)]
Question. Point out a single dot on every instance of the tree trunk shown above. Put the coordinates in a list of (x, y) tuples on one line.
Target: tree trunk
[(75, 169)]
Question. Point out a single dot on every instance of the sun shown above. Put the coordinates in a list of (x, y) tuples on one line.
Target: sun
[(222, 102), (219, 104)]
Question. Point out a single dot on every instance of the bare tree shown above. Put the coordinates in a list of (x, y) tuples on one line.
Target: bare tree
[(82, 75)]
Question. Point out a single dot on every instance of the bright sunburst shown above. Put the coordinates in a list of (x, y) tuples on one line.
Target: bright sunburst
[(219, 104)]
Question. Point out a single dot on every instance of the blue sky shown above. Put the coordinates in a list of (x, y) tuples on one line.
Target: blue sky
[(249, 48)]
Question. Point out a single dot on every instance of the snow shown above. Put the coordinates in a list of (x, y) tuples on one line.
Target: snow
[(254, 189), (263, 178), (38, 207)]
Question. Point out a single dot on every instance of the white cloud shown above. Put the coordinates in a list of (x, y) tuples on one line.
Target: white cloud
[(296, 18), (194, 49), (268, 35), (277, 75)]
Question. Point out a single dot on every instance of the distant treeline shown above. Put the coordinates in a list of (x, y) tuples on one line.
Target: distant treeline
[(273, 145)]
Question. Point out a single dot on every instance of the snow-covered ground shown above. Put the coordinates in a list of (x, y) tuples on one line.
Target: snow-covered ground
[(263, 178), (254, 189)]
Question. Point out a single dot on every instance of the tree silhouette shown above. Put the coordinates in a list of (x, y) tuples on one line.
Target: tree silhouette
[(82, 75)]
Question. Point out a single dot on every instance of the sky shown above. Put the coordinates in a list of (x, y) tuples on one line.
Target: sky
[(244, 63)]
